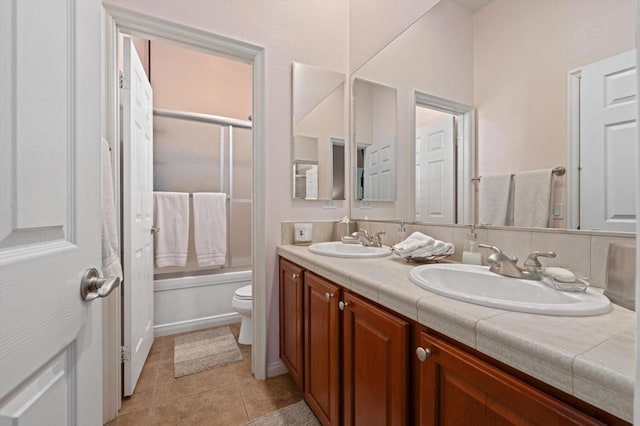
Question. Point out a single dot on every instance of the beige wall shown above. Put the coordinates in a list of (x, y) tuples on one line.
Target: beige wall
[(522, 53)]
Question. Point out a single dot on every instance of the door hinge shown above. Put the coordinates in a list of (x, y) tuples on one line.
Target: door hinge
[(125, 354), (125, 80)]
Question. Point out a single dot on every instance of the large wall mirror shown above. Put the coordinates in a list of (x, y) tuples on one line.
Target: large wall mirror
[(522, 65), (375, 141), (318, 163)]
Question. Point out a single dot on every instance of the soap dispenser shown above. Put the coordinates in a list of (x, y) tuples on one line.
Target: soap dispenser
[(470, 253)]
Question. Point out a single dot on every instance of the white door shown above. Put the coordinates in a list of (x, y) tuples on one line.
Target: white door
[(137, 205), (379, 171), (50, 212), (435, 172), (608, 143)]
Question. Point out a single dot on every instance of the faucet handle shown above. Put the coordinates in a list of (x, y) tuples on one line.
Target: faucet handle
[(532, 260)]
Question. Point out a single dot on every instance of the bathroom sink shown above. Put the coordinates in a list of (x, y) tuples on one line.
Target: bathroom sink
[(353, 251), (475, 284)]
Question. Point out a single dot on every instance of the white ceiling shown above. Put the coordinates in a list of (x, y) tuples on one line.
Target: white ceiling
[(473, 5)]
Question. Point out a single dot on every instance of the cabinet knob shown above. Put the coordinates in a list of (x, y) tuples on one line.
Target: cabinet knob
[(423, 353), (294, 276), (328, 296), (342, 305)]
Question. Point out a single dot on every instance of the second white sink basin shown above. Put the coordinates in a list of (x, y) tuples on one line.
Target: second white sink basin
[(475, 284), (339, 249)]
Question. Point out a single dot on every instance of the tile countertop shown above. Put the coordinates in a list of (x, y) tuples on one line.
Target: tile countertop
[(591, 358)]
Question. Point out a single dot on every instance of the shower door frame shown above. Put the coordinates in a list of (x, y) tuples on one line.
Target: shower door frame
[(227, 126), (117, 19)]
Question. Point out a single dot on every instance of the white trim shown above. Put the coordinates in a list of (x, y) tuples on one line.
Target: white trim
[(196, 324), (573, 148), (276, 368), (182, 283), (259, 233), (122, 19), (465, 152)]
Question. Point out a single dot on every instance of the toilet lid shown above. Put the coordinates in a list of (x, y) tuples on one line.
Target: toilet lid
[(244, 292)]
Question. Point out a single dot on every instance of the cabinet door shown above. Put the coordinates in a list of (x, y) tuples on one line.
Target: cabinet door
[(322, 348), (455, 388), (375, 365), (291, 322)]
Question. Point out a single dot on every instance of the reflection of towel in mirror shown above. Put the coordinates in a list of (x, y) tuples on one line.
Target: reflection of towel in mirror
[(532, 198), (493, 199), (421, 245)]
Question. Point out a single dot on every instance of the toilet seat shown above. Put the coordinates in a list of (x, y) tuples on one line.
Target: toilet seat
[(243, 293)]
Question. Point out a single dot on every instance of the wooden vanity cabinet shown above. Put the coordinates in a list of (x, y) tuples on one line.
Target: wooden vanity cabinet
[(322, 325), (453, 387), (375, 365), (291, 320)]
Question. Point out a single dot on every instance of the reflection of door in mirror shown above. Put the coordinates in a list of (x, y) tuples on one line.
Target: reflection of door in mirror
[(375, 135), (318, 127), (435, 194), (608, 143), (305, 180)]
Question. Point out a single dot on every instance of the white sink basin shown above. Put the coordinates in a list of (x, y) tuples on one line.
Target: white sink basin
[(355, 251), (475, 284)]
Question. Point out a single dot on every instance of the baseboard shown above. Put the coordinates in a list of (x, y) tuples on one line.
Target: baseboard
[(196, 324), (276, 368)]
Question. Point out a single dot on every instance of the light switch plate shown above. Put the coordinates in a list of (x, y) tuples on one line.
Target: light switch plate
[(303, 233)]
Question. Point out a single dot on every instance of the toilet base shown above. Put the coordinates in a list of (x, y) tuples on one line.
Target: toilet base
[(246, 331)]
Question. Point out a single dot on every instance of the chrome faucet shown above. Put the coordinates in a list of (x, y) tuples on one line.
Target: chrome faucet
[(502, 264), (367, 239)]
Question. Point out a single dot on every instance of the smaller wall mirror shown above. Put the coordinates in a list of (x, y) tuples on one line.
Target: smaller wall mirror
[(318, 133), (375, 111)]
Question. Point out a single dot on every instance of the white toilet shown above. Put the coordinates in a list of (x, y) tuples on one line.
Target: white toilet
[(243, 304)]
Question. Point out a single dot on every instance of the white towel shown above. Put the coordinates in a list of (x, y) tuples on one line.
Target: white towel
[(111, 265), (171, 216), (421, 245), (210, 228), (532, 199), (413, 242), (493, 203)]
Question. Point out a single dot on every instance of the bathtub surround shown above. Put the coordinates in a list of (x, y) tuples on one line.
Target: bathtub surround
[(196, 302)]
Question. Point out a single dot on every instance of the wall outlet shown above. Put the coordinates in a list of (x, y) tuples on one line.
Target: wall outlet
[(302, 233)]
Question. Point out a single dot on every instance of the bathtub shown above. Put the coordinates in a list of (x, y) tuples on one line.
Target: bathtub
[(196, 302)]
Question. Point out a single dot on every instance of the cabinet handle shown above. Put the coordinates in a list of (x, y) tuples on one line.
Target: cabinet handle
[(342, 305), (328, 296), (423, 354), (295, 276)]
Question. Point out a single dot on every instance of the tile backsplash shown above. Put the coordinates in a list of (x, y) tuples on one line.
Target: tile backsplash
[(583, 252)]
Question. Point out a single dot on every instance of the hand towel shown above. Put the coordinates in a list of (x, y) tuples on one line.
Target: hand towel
[(171, 216), (413, 242), (439, 249), (210, 228), (493, 203), (532, 198), (111, 265)]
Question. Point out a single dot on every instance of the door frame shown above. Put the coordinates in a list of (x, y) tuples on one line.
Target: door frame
[(118, 19), (465, 151), (573, 148)]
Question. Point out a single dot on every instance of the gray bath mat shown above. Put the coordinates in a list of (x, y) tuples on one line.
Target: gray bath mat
[(206, 349), (295, 414)]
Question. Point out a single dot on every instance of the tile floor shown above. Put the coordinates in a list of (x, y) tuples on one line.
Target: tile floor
[(227, 395)]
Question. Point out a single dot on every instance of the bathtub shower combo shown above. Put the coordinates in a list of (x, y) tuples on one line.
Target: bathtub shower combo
[(195, 153)]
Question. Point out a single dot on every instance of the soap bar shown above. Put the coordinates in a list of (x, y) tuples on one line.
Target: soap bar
[(561, 274)]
